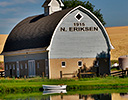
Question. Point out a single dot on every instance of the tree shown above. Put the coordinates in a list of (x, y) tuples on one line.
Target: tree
[(87, 5)]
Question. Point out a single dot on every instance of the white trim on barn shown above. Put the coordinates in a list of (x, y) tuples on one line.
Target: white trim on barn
[(49, 66), (49, 47), (24, 51)]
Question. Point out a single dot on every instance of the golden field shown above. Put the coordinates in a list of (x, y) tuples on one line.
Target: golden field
[(119, 39), (117, 35), (3, 38)]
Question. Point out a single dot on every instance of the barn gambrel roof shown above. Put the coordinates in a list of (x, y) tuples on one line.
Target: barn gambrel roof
[(37, 31), (33, 32)]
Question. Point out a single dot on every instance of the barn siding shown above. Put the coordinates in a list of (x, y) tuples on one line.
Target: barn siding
[(78, 44), (72, 66), (36, 56), (23, 59), (23, 71)]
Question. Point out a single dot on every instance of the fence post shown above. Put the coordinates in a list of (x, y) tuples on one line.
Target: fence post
[(42, 74), (79, 73), (123, 73), (24, 76), (98, 74), (126, 71), (60, 74)]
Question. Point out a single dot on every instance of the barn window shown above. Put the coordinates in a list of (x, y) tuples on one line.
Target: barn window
[(38, 65), (78, 16), (63, 64), (6, 67), (80, 63), (25, 66), (21, 66), (9, 66), (13, 67)]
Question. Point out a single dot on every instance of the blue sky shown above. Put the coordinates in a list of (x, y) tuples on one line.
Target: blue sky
[(115, 12)]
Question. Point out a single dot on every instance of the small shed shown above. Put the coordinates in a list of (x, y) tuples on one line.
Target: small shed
[(123, 62)]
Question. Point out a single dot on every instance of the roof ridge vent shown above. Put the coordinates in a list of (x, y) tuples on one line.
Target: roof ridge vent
[(51, 6)]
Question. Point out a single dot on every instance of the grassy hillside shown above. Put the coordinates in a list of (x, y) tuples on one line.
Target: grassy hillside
[(117, 35)]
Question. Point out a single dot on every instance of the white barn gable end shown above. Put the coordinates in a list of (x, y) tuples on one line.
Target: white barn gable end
[(79, 39), (79, 36)]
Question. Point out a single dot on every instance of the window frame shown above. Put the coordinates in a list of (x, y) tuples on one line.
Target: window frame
[(79, 63), (26, 66), (63, 64), (38, 65), (21, 66), (6, 67), (10, 67), (13, 66)]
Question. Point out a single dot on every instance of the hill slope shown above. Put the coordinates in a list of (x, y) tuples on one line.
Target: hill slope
[(119, 39), (3, 38)]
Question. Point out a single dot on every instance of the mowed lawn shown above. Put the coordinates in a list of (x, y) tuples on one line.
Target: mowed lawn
[(105, 82)]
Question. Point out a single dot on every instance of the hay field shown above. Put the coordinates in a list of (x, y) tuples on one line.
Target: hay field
[(119, 39), (3, 38), (117, 35)]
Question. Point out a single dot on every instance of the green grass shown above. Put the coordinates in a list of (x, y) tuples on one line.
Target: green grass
[(35, 84), (15, 96), (100, 91)]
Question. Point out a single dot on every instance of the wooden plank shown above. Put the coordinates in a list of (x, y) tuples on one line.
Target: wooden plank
[(61, 74), (117, 72), (120, 73), (69, 74), (87, 73)]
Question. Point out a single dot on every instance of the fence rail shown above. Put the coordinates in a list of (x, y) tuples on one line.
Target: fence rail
[(79, 74), (2, 74), (66, 74), (120, 73)]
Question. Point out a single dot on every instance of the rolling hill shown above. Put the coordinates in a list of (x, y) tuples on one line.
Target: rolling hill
[(119, 39), (3, 38)]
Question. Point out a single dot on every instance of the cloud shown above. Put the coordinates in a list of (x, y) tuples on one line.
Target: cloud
[(25, 1), (7, 24), (13, 11), (3, 4), (8, 10), (31, 1), (14, 2), (8, 21)]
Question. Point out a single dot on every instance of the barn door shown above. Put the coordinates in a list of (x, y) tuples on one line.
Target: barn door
[(17, 68), (31, 68)]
